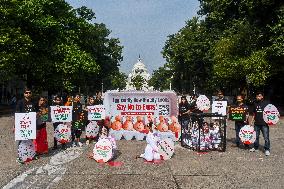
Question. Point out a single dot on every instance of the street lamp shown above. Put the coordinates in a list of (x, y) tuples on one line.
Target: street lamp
[(102, 86)]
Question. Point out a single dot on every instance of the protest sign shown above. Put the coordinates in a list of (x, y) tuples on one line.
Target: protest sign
[(61, 113), (25, 126), (238, 113), (103, 150), (271, 114), (219, 107), (96, 112), (166, 148)]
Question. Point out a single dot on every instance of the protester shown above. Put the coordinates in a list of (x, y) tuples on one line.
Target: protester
[(260, 124), (239, 124), (151, 151), (41, 144), (99, 100), (25, 105), (57, 102), (91, 102), (104, 134), (184, 110), (78, 121)]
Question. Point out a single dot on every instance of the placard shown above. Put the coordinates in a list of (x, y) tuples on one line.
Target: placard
[(238, 113), (103, 150), (25, 126), (203, 103), (271, 114), (92, 129), (61, 113), (26, 150), (247, 134), (62, 133), (166, 148), (219, 107), (141, 103), (96, 112)]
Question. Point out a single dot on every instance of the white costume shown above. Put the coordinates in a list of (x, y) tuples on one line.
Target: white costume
[(151, 150)]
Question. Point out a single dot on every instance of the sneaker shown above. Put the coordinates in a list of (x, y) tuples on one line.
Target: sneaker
[(87, 142), (267, 152), (74, 144), (253, 150), (80, 144)]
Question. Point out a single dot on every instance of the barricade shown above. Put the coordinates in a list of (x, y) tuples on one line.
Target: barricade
[(205, 132)]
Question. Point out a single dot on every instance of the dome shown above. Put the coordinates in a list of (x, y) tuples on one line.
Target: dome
[(139, 66)]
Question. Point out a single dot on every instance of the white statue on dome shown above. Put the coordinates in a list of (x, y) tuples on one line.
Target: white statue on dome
[(139, 69)]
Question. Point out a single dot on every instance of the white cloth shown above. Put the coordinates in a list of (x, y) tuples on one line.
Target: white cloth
[(151, 150)]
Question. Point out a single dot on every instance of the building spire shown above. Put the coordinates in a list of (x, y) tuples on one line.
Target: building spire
[(139, 58)]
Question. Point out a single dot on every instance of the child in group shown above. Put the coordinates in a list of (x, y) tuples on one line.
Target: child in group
[(151, 151), (104, 134)]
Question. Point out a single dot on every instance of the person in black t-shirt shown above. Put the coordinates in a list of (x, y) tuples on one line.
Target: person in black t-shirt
[(99, 100), (184, 110), (25, 105), (260, 124)]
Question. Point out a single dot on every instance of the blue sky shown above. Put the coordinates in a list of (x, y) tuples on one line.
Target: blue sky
[(141, 25)]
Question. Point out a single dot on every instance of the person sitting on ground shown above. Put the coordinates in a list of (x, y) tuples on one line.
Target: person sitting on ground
[(151, 151)]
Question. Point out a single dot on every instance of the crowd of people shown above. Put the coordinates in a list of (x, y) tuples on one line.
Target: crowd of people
[(27, 104), (254, 118), (79, 122)]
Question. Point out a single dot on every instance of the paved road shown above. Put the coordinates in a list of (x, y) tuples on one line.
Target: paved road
[(235, 168)]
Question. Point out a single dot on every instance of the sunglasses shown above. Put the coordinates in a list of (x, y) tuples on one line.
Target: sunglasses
[(28, 92)]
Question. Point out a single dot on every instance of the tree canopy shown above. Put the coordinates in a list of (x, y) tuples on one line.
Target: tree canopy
[(230, 44), (56, 46)]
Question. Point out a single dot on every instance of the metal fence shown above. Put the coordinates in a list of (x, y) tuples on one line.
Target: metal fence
[(205, 132)]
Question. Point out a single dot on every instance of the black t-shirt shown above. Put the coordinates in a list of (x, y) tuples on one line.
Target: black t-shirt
[(99, 101), (77, 110), (182, 109), (24, 106), (193, 107), (258, 112)]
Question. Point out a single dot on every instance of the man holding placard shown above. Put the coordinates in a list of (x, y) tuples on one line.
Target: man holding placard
[(260, 124), (25, 122)]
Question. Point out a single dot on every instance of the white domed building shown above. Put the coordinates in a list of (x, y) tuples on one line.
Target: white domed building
[(140, 69)]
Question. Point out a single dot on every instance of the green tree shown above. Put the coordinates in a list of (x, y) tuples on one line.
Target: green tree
[(138, 82), (55, 45)]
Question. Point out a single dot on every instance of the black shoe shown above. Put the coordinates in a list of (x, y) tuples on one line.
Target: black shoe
[(63, 147), (54, 148)]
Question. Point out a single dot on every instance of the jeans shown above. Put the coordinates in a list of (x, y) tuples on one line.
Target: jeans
[(238, 127), (184, 123), (265, 132)]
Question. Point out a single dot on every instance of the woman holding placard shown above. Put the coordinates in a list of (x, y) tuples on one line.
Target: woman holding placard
[(41, 143)]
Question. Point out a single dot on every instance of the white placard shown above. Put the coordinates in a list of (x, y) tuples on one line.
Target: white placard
[(141, 103), (96, 112), (271, 115), (61, 113), (103, 150), (219, 107), (203, 103), (26, 150), (166, 148), (25, 126)]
